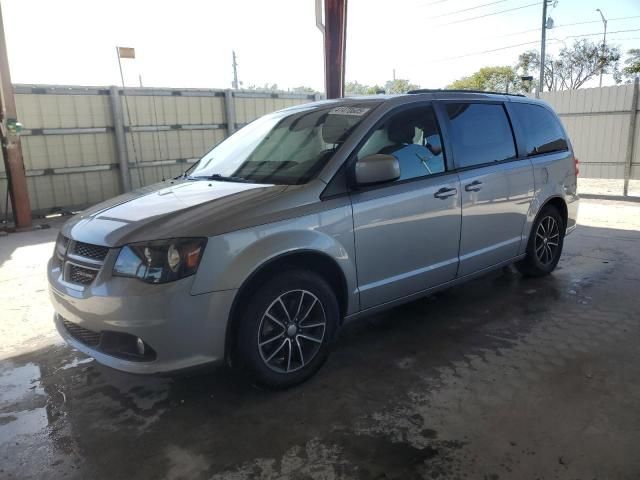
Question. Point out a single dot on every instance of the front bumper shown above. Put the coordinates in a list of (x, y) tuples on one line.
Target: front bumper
[(184, 330)]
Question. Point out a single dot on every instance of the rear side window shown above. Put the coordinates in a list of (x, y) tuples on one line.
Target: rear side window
[(481, 133), (542, 130)]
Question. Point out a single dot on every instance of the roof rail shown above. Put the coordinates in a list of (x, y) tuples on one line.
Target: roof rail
[(445, 90)]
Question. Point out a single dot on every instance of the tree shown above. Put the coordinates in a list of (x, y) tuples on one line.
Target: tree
[(356, 88), (496, 79), (392, 86), (399, 86), (303, 89), (273, 87), (573, 66), (632, 63), (529, 65)]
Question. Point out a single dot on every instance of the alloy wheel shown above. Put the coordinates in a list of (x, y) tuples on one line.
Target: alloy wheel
[(291, 331), (547, 240)]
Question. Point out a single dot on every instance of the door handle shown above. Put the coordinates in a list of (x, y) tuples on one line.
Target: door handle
[(473, 186), (445, 193)]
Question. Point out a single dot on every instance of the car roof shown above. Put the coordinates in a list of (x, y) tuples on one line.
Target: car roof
[(444, 94), (394, 100)]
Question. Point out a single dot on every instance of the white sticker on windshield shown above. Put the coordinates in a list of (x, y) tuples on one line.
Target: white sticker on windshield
[(355, 111)]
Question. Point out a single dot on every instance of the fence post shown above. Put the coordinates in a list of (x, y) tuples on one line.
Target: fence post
[(230, 110), (121, 139), (631, 138)]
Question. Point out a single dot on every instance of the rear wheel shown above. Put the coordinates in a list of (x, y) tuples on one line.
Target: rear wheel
[(284, 332), (545, 244)]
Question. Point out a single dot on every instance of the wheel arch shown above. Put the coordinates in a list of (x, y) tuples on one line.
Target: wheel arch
[(558, 202), (305, 259)]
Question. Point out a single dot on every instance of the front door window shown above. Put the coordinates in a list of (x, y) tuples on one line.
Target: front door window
[(413, 137)]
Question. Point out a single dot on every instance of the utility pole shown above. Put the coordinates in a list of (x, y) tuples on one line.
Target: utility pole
[(604, 42), (235, 70), (11, 148), (543, 47), (334, 31)]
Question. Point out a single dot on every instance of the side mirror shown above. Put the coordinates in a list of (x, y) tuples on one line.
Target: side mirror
[(377, 168)]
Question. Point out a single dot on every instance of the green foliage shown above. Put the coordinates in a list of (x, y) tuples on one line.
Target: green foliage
[(392, 86), (495, 79), (573, 66), (303, 89), (267, 87), (356, 88), (399, 86), (632, 63)]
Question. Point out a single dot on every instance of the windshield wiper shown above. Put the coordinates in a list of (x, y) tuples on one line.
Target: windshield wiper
[(223, 178)]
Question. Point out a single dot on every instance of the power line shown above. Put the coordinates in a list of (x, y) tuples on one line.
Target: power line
[(485, 51), (488, 14), (559, 26), (595, 21), (516, 33), (525, 43), (600, 33), (626, 38), (466, 9)]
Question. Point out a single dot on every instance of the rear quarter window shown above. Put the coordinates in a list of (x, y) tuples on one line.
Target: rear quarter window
[(541, 129)]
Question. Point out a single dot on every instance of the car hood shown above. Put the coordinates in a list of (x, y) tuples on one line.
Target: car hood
[(177, 208)]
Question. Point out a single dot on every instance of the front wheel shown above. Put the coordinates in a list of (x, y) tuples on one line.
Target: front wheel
[(545, 244), (284, 332)]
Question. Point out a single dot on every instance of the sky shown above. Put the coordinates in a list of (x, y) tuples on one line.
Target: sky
[(188, 43)]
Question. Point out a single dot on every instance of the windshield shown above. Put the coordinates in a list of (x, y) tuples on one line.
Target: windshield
[(286, 147)]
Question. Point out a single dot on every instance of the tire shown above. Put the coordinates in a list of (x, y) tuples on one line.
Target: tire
[(285, 330), (544, 247)]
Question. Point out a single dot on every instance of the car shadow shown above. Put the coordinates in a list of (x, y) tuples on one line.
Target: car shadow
[(99, 423)]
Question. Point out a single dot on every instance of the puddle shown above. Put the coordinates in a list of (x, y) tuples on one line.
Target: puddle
[(75, 362), (27, 422), (22, 402)]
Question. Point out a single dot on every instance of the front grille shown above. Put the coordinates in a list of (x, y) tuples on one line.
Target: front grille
[(80, 261), (81, 334), (95, 252), (81, 275)]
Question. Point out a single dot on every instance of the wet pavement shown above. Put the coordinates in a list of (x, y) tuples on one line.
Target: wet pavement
[(503, 377)]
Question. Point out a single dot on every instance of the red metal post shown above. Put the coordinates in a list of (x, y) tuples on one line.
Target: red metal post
[(335, 38), (11, 148)]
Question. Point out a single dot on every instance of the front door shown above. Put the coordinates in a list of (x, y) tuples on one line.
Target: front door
[(407, 231), (496, 186)]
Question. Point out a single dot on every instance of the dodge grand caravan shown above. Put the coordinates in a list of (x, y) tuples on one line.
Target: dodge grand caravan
[(308, 218)]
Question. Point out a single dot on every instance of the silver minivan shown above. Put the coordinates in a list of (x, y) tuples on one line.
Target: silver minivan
[(308, 218)]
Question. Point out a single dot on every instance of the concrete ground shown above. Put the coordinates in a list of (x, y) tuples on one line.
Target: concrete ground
[(500, 378), (608, 187)]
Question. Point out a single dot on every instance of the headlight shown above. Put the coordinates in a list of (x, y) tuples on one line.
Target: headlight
[(61, 246), (161, 261)]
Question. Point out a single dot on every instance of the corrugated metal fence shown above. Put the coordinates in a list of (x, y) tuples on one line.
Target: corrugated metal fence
[(76, 139), (604, 129)]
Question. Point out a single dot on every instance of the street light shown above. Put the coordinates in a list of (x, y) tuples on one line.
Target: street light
[(546, 23), (604, 42)]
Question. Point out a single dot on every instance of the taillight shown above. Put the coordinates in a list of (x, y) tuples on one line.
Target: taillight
[(576, 162)]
